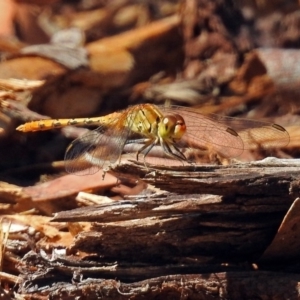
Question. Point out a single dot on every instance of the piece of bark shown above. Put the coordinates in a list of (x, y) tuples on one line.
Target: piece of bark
[(230, 285), (151, 48), (33, 68), (236, 219), (6, 15), (271, 176), (125, 63), (45, 196), (54, 195), (66, 48), (157, 235), (286, 243), (282, 66)]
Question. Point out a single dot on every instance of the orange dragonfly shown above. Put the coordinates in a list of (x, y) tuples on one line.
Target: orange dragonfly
[(176, 130)]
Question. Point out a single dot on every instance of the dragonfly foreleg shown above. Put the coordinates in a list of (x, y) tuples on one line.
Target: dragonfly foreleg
[(177, 154)]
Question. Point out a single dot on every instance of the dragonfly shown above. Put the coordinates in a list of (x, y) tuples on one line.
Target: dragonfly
[(177, 131)]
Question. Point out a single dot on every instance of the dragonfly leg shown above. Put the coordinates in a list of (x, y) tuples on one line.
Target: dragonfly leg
[(177, 154), (148, 144), (147, 152)]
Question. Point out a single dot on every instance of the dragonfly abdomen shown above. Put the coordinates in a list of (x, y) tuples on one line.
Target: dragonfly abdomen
[(46, 124)]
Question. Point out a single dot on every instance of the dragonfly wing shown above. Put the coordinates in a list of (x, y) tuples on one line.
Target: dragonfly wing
[(206, 133), (258, 133), (93, 150), (219, 132)]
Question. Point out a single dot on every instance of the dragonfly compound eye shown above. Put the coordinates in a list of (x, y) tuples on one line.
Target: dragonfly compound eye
[(180, 127), (172, 127)]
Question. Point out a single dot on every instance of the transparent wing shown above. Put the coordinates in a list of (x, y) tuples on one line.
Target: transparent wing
[(256, 133), (90, 152), (103, 146), (206, 133), (228, 136)]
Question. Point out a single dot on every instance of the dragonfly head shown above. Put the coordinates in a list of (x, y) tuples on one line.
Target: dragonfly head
[(172, 127)]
